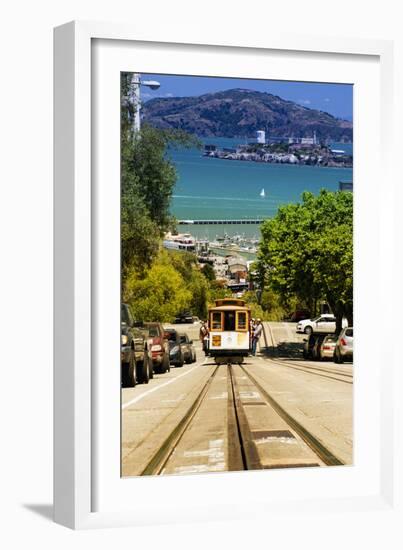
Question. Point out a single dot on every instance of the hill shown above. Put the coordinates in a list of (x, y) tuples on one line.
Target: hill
[(240, 112)]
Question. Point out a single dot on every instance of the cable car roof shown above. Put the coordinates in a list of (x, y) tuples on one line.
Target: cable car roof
[(229, 308)]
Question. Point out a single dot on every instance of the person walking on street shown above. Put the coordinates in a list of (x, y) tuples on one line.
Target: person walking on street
[(257, 333)]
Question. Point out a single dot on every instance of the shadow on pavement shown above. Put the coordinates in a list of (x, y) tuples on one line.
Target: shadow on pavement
[(44, 510), (286, 350)]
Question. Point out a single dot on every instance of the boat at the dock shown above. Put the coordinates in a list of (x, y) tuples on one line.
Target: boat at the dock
[(183, 241)]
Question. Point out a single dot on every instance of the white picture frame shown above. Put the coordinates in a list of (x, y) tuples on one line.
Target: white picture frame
[(80, 312)]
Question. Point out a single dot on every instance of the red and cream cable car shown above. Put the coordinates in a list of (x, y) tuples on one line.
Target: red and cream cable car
[(229, 331)]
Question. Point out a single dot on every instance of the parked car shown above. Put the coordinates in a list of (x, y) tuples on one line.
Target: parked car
[(325, 349), (136, 366), (325, 324), (189, 351), (176, 350), (316, 346), (343, 350), (319, 339), (300, 315), (158, 347), (309, 344)]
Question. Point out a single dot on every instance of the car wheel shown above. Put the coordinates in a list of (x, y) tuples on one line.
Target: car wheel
[(130, 377), (144, 371), (150, 368), (308, 330), (166, 367)]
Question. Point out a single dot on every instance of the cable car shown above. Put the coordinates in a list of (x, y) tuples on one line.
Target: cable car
[(229, 331)]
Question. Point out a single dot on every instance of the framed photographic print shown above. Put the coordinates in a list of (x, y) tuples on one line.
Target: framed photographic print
[(218, 222)]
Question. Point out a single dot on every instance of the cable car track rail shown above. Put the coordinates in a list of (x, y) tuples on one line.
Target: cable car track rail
[(242, 449), (310, 370), (328, 458), (157, 463)]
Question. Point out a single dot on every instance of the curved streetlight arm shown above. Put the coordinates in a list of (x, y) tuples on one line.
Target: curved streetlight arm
[(135, 84)]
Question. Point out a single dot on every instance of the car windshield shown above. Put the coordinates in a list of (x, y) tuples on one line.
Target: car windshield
[(171, 335), (153, 331)]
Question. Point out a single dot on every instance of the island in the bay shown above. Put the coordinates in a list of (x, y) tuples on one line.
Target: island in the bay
[(240, 112)]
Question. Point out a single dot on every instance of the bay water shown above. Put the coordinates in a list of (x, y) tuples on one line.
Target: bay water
[(210, 188)]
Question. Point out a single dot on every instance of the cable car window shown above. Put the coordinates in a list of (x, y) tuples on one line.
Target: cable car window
[(229, 323), (216, 320), (241, 320)]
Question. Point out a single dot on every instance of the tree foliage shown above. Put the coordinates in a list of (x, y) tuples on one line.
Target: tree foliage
[(208, 272), (172, 284), (159, 293), (307, 252), (148, 178)]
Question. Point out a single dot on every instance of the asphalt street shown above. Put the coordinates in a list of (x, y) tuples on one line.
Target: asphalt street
[(274, 411)]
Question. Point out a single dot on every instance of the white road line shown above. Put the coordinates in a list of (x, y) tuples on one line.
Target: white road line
[(275, 440), (223, 395), (249, 395), (148, 392), (215, 454)]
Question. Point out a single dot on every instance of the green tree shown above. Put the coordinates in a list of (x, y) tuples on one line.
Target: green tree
[(186, 264), (307, 252), (199, 289), (208, 272), (158, 294), (148, 178), (217, 291)]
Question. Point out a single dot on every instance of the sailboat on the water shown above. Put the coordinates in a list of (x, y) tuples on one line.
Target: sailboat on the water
[(262, 193)]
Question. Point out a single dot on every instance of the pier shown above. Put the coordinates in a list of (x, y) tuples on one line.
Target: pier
[(221, 222)]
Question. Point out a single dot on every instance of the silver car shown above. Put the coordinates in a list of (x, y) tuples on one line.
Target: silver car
[(327, 347), (189, 352), (344, 346)]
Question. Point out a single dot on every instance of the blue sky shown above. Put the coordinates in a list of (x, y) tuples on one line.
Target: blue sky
[(336, 99)]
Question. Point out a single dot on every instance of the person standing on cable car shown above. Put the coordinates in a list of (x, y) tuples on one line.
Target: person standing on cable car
[(203, 335)]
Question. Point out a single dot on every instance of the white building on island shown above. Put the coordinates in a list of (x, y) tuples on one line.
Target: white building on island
[(261, 136)]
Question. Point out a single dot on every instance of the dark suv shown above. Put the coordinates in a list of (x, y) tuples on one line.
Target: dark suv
[(136, 366), (184, 317)]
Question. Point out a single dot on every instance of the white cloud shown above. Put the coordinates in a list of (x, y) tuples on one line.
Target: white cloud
[(327, 100), (304, 101)]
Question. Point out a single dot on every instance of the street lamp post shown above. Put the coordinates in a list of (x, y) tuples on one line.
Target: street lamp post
[(136, 82)]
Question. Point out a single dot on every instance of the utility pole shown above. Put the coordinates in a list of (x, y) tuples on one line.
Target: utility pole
[(135, 97)]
